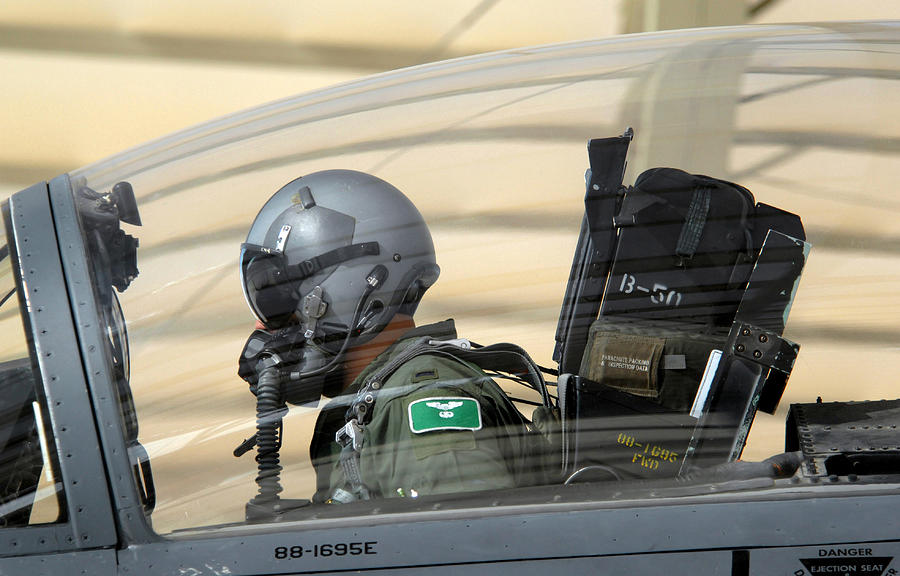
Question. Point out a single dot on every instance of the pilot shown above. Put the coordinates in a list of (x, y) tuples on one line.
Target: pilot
[(339, 260)]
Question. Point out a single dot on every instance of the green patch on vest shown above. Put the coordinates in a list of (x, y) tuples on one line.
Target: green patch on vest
[(444, 413)]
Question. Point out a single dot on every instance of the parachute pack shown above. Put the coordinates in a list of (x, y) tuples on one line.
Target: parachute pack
[(670, 334)]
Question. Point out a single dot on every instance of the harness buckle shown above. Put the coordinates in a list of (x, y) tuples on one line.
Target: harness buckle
[(351, 433), (462, 343)]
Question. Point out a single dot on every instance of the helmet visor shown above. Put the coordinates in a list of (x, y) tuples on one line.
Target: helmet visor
[(268, 289)]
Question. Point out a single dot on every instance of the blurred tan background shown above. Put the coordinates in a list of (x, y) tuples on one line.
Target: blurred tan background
[(80, 81), (87, 80)]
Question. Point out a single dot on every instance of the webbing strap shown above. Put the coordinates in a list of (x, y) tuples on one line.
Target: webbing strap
[(350, 466), (313, 265), (694, 222)]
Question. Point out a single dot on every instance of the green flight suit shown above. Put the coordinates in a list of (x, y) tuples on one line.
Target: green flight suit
[(438, 426)]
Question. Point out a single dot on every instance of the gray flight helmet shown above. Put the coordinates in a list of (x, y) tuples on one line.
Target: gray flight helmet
[(321, 238)]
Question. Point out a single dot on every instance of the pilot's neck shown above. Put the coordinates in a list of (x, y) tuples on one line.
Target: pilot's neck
[(359, 357)]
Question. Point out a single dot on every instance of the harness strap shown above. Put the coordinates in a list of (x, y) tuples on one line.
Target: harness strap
[(350, 466)]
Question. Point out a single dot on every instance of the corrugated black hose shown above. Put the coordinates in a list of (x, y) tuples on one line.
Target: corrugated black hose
[(270, 409)]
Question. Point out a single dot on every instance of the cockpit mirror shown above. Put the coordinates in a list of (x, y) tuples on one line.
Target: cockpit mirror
[(116, 251)]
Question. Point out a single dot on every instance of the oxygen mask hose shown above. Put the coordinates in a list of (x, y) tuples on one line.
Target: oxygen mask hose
[(270, 409)]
